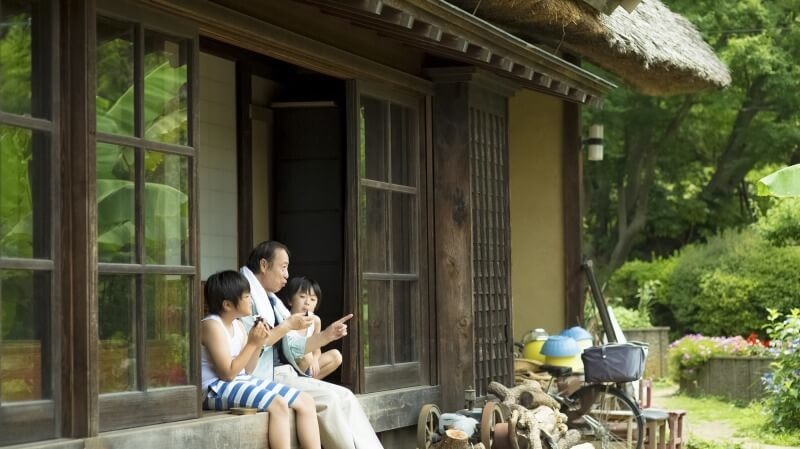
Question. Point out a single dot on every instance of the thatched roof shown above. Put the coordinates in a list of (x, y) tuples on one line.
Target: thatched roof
[(653, 49)]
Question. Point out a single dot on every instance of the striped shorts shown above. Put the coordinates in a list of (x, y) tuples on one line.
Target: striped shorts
[(246, 391)]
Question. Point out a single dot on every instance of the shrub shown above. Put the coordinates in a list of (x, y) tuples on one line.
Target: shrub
[(782, 385), (725, 286), (631, 318), (781, 224), (689, 353), (627, 282)]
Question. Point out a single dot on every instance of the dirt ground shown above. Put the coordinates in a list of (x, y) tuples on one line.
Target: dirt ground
[(709, 430)]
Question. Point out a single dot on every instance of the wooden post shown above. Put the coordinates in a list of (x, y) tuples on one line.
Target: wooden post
[(78, 234)]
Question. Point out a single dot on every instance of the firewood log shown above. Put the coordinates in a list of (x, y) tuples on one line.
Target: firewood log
[(456, 439)]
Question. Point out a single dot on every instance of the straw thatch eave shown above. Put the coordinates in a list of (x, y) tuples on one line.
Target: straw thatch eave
[(653, 49)]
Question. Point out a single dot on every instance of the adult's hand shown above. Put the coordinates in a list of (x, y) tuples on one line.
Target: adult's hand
[(337, 329), (298, 321)]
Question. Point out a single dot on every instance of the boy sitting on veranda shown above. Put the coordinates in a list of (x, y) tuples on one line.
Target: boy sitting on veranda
[(303, 295), (228, 354)]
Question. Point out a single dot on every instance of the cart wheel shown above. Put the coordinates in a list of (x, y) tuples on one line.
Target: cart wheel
[(491, 416), (427, 425)]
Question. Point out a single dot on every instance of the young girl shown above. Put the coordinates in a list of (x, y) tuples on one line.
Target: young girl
[(303, 295), (228, 354)]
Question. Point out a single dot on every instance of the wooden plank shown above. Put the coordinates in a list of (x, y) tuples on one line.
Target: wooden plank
[(390, 377), (571, 179), (244, 161), (152, 407), (388, 410), (79, 380), (543, 80), (352, 365), (577, 94), (453, 249), (13, 263)]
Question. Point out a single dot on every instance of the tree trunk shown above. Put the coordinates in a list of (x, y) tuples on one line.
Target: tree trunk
[(453, 439)]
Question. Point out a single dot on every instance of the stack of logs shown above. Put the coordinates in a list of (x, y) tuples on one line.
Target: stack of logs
[(534, 411)]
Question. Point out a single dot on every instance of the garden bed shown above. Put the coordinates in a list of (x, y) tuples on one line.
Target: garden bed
[(734, 378)]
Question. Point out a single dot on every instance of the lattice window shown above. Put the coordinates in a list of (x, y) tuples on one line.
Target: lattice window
[(490, 248)]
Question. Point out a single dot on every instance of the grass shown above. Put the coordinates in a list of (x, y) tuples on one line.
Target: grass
[(750, 421)]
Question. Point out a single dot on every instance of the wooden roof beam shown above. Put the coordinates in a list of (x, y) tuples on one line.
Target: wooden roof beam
[(480, 53), (560, 87), (427, 31), (397, 17), (501, 62), (456, 43), (366, 6), (577, 94), (522, 71), (543, 80)]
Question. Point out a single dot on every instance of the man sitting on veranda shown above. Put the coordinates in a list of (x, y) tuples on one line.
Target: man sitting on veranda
[(342, 422)]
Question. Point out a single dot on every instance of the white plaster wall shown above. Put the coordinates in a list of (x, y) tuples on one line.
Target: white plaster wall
[(217, 165)]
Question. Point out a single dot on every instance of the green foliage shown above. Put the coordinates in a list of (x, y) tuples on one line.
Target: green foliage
[(783, 384), (631, 318), (781, 224), (724, 287), (703, 145), (690, 352), (782, 183), (629, 280)]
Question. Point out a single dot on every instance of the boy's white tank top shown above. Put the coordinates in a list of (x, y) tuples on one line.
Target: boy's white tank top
[(235, 344)]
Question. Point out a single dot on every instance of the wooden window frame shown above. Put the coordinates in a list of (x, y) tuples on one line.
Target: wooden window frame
[(405, 374), (41, 419), (162, 404)]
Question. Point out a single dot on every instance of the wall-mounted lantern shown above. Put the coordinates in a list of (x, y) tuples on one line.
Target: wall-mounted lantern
[(594, 144)]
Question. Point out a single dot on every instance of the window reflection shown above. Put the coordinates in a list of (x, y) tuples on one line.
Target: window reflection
[(115, 72), (24, 193), (24, 44), (116, 303), (116, 193), (166, 208), (167, 347), (24, 336), (166, 109)]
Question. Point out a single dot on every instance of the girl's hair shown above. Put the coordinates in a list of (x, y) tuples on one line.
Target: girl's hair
[(300, 284), (229, 284)]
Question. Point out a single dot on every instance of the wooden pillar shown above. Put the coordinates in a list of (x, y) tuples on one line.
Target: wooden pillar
[(79, 402), (571, 179), (453, 247)]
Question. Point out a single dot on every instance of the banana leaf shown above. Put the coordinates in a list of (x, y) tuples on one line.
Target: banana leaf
[(783, 183)]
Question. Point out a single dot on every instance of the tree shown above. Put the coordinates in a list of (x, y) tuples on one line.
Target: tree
[(677, 168)]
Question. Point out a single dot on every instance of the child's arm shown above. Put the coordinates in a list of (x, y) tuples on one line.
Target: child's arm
[(215, 340), (317, 329)]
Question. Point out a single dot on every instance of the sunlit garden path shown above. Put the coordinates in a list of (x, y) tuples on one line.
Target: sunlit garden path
[(720, 422)]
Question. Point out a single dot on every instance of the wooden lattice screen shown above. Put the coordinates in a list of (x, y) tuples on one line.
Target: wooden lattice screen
[(490, 246)]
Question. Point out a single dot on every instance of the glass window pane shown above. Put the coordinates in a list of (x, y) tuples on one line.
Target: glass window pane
[(25, 336), (404, 159), (166, 209), (116, 193), (167, 347), (404, 236), (24, 58), (375, 235), (24, 193), (115, 72), (116, 296), (374, 161), (166, 110), (406, 321), (376, 323)]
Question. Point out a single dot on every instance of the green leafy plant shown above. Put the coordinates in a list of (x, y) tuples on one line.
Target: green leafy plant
[(686, 355), (780, 226), (783, 385)]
